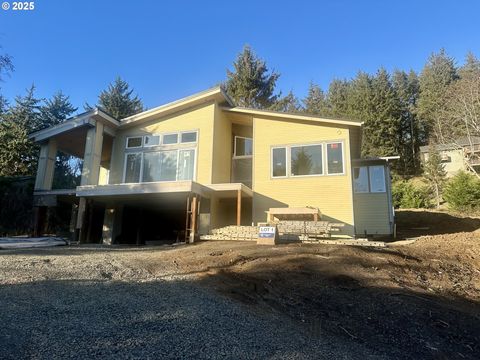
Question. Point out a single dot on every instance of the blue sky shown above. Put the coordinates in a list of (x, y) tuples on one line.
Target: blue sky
[(170, 49)]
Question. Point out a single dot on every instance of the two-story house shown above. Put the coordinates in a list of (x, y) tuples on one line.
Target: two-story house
[(203, 163)]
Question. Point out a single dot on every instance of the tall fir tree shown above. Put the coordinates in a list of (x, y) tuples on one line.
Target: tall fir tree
[(382, 117), (438, 73), (18, 154), (315, 103), (118, 100), (289, 103), (250, 84), (338, 98), (410, 135)]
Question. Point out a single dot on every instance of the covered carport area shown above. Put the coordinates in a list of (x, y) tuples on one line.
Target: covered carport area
[(140, 213)]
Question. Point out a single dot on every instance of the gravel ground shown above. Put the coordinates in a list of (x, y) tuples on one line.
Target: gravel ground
[(79, 303)]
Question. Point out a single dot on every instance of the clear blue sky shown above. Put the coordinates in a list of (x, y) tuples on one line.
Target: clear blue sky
[(170, 49)]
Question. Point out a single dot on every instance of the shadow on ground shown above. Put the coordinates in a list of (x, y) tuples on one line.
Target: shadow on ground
[(411, 223)]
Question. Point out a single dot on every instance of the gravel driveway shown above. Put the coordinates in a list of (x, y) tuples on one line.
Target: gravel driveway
[(82, 303)]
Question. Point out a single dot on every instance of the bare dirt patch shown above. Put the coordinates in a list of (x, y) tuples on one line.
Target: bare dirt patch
[(420, 300)]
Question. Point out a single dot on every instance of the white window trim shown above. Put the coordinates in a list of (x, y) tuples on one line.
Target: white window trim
[(142, 162), (304, 145), (125, 166), (323, 144), (286, 162), (384, 180), (368, 180), (186, 132), (235, 156), (149, 146), (171, 133), (133, 147), (326, 157)]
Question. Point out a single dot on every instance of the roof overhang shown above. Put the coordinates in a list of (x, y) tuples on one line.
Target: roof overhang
[(214, 94), (230, 190), (87, 118), (291, 116)]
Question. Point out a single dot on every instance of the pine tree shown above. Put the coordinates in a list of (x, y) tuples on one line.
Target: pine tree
[(118, 100), (382, 118), (316, 102), (55, 111), (434, 172), (18, 154), (410, 135), (288, 104), (250, 84), (338, 98), (438, 73)]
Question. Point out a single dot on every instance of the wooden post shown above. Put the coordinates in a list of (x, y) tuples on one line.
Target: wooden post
[(39, 215), (239, 207), (193, 224)]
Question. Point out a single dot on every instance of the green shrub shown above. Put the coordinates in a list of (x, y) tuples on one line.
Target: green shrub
[(462, 192), (408, 196)]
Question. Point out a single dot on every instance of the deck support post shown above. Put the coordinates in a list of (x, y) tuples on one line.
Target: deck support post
[(193, 224), (39, 217), (239, 207)]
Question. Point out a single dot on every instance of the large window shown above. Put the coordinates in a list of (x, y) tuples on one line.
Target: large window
[(279, 162), (161, 157), (369, 179), (243, 146), (308, 160), (133, 165)]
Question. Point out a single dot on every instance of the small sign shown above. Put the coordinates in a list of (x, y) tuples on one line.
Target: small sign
[(267, 232)]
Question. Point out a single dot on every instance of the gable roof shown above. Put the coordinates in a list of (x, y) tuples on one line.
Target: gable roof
[(293, 116), (215, 93)]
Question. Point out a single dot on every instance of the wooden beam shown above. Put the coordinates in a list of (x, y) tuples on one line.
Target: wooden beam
[(239, 207), (193, 224)]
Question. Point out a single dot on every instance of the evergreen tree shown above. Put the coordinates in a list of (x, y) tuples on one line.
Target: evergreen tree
[(316, 102), (288, 104), (434, 172), (338, 98), (438, 73), (56, 110), (250, 84), (410, 135), (67, 168), (118, 100), (381, 113), (18, 154)]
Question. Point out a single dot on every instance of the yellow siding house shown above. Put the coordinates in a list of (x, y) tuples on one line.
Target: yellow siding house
[(201, 163)]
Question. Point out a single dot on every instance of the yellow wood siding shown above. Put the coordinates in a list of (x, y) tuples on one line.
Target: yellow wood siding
[(332, 194), (200, 118), (222, 143)]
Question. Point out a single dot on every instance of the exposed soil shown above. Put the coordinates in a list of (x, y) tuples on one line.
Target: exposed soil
[(409, 300)]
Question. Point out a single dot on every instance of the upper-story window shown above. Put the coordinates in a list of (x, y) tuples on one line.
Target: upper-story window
[(243, 146), (161, 157), (307, 160), (134, 142)]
